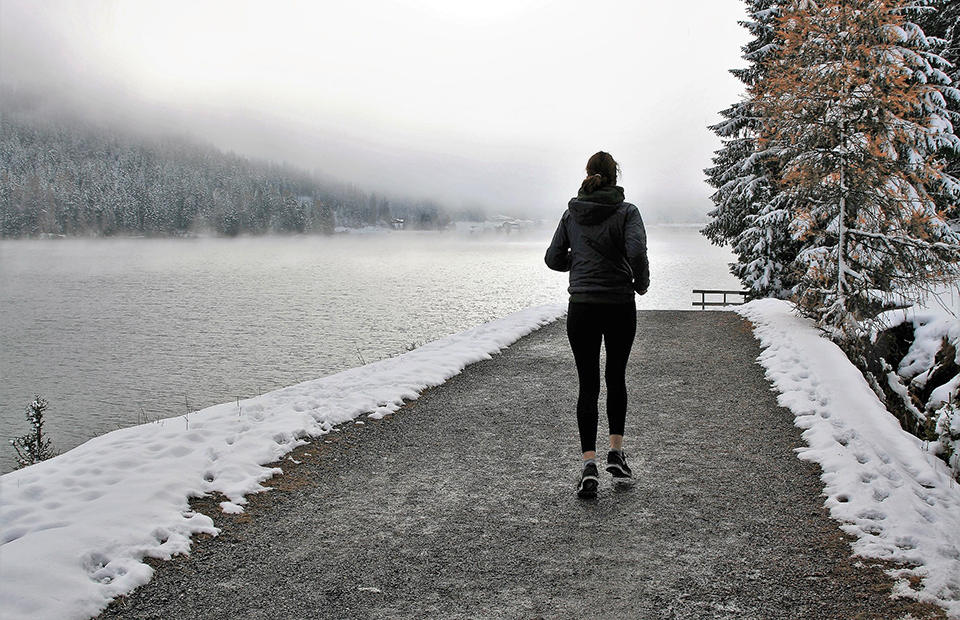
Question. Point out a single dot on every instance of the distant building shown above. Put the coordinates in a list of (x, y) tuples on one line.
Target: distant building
[(496, 225)]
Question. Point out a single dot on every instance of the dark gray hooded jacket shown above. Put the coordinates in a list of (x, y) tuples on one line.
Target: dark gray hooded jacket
[(601, 241)]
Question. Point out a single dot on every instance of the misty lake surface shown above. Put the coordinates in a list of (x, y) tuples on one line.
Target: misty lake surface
[(115, 331)]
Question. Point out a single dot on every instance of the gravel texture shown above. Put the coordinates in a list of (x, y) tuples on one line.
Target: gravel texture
[(463, 505)]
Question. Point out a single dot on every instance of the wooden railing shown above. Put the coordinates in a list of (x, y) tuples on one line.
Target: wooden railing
[(704, 303)]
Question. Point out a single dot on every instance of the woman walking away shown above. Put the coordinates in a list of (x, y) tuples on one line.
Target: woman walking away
[(602, 243)]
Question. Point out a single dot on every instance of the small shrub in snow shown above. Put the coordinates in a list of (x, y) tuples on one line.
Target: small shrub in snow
[(34, 446)]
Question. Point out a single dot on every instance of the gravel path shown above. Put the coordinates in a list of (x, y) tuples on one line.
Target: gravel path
[(463, 505)]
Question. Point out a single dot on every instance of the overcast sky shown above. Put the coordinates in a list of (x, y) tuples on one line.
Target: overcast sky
[(489, 102)]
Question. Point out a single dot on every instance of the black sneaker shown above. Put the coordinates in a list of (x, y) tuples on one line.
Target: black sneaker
[(589, 481), (617, 465)]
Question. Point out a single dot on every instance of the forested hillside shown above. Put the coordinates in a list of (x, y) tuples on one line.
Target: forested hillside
[(63, 176)]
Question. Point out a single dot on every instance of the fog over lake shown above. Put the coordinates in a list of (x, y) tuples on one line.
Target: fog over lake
[(495, 104), (117, 330)]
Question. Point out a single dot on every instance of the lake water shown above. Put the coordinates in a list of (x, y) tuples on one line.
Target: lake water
[(119, 331)]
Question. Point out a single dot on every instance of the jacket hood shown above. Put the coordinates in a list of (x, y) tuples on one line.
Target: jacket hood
[(595, 207)]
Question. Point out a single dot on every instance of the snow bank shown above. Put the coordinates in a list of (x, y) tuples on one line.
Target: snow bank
[(926, 378), (899, 500), (75, 528)]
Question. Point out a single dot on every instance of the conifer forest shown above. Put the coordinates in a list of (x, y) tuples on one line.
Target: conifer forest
[(60, 175)]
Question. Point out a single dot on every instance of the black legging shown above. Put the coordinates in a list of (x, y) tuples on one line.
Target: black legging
[(616, 326)]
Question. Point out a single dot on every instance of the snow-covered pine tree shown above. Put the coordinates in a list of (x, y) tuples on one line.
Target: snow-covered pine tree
[(746, 216), (853, 107), (946, 21), (35, 446), (737, 132), (940, 22)]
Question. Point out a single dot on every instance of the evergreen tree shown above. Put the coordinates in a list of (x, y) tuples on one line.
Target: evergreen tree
[(942, 20), (34, 446), (371, 214), (747, 216), (326, 221), (293, 215), (854, 110), (384, 212)]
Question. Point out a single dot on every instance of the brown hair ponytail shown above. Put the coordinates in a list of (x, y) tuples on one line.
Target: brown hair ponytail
[(602, 170)]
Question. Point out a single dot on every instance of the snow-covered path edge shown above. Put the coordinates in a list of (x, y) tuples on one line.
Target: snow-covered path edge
[(76, 528), (881, 485)]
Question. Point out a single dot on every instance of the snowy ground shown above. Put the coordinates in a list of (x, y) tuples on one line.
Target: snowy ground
[(75, 528), (881, 483)]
